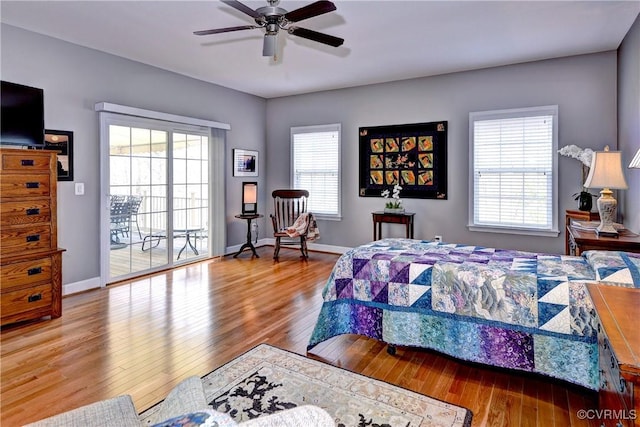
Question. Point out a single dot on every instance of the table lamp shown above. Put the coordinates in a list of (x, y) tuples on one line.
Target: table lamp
[(606, 173), (249, 198), (635, 162)]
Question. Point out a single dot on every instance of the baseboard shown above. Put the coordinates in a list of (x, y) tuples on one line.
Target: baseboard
[(81, 286)]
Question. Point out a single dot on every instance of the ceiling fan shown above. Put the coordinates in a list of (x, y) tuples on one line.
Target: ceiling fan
[(273, 18)]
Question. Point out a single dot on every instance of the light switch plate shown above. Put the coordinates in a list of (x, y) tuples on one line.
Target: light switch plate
[(79, 188)]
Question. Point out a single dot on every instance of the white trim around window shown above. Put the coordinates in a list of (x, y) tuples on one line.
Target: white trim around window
[(315, 167), (513, 182)]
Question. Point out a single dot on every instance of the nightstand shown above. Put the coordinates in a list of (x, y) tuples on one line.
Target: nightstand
[(588, 240), (578, 216), (619, 353)]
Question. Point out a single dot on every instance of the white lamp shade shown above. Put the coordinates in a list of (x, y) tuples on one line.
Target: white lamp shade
[(250, 194), (635, 162), (606, 171)]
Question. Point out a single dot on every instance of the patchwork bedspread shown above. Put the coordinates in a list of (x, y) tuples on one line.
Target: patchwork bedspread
[(513, 309)]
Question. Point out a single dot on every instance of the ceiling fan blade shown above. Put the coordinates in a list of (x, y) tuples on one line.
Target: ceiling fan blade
[(224, 30), (242, 8), (314, 9), (316, 36)]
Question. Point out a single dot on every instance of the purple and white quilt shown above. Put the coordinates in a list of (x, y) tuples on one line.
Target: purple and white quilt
[(513, 309)]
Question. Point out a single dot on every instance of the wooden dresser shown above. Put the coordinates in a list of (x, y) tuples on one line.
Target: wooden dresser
[(618, 312), (30, 260)]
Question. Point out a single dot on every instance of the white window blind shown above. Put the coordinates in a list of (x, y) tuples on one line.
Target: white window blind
[(316, 166), (512, 164)]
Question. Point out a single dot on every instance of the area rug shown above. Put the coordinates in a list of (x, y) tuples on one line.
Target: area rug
[(267, 379)]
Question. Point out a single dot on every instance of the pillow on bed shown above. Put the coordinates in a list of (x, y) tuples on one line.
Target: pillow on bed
[(622, 268)]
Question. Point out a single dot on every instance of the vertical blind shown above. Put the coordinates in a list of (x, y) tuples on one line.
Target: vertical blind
[(316, 166), (513, 183)]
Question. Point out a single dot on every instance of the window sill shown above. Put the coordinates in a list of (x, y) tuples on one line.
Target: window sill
[(327, 217), (513, 230)]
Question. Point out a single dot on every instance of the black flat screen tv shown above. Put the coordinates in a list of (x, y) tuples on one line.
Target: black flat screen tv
[(21, 115)]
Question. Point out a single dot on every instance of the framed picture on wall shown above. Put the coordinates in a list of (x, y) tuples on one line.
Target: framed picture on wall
[(245, 162), (412, 155), (62, 142)]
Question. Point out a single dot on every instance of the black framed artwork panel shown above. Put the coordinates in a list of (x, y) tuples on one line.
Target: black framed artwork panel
[(62, 142), (411, 155)]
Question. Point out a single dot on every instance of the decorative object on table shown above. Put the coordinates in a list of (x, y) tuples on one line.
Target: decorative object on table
[(62, 142), (411, 155), (635, 162), (267, 379), (393, 205), (606, 173), (585, 200), (249, 198), (245, 162), (584, 155)]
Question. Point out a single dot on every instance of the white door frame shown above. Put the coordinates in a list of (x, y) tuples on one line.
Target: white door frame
[(128, 116)]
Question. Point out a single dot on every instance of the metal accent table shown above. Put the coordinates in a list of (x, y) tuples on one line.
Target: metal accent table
[(249, 245)]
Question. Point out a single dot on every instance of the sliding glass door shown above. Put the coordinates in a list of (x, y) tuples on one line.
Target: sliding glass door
[(157, 179)]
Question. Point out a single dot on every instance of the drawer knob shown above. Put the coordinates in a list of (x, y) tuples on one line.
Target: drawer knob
[(623, 385), (33, 211), (27, 162), (33, 185), (35, 297), (34, 271), (613, 362), (33, 238)]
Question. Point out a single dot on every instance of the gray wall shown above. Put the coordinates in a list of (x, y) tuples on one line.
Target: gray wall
[(584, 88), (74, 79), (629, 122)]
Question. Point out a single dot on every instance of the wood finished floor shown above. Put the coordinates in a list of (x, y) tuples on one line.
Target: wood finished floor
[(142, 337)]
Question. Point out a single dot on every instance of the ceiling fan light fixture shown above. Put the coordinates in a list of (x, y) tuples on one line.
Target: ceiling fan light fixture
[(272, 18), (270, 44)]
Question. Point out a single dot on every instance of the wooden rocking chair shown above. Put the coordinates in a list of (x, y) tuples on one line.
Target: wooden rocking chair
[(288, 205)]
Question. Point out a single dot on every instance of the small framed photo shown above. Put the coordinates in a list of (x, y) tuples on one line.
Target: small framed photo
[(245, 162), (62, 142)]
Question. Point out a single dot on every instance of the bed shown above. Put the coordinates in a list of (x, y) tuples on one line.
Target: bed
[(519, 310)]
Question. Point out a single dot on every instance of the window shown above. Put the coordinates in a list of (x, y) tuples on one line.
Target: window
[(315, 158), (513, 183)]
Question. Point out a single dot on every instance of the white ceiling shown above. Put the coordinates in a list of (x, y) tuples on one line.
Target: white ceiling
[(384, 40)]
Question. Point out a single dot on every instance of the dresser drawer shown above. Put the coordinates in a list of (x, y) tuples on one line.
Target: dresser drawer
[(23, 300), (15, 240), (25, 212), (25, 162), (613, 381), (25, 273), (615, 394), (14, 185)]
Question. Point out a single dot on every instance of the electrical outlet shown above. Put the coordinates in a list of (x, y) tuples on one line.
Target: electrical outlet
[(437, 238), (79, 188)]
